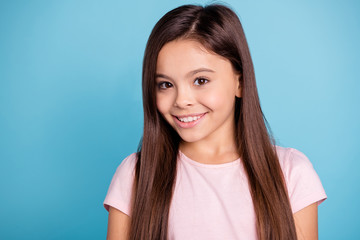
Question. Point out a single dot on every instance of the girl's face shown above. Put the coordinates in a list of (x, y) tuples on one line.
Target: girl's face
[(196, 91)]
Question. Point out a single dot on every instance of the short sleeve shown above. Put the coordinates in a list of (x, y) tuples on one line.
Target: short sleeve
[(303, 183), (120, 189)]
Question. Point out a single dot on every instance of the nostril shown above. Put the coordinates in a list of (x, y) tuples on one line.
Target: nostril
[(184, 97), (182, 102)]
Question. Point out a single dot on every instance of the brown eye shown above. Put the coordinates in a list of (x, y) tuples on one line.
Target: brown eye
[(200, 81), (165, 85)]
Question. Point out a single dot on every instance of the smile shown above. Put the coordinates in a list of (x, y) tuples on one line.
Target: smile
[(188, 121)]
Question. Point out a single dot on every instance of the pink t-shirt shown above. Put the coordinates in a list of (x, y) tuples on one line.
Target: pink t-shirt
[(213, 201)]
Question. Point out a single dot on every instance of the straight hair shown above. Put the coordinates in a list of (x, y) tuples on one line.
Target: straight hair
[(219, 30)]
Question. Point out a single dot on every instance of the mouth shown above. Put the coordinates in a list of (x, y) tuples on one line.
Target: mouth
[(188, 121)]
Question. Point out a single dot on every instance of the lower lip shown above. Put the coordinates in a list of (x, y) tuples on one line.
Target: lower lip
[(188, 124)]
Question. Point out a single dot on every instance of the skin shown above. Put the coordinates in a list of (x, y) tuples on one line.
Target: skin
[(118, 225), (192, 80), (306, 222)]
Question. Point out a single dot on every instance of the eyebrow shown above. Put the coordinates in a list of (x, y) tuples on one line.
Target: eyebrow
[(191, 73), (199, 70)]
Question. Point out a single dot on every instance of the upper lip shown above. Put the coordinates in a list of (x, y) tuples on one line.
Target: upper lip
[(189, 115)]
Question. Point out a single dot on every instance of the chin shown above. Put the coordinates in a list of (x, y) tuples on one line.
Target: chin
[(189, 138)]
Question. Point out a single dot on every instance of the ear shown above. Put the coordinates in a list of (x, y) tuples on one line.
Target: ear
[(238, 85)]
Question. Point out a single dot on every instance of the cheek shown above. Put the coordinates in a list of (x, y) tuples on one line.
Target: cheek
[(215, 99), (163, 104)]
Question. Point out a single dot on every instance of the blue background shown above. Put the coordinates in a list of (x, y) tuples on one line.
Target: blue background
[(71, 109)]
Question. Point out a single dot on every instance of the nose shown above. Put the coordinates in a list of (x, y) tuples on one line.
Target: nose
[(184, 98)]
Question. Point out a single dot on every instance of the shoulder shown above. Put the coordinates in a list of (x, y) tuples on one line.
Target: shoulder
[(128, 163), (120, 189), (291, 159), (303, 184), (295, 165), (126, 169)]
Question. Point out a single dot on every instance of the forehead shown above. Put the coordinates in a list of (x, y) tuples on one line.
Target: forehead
[(184, 55)]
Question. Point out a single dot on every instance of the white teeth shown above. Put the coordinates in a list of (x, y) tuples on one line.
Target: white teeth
[(189, 119)]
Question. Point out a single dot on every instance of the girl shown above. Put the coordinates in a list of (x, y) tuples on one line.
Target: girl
[(206, 167)]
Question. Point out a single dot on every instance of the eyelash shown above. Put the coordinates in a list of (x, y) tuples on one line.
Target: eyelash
[(160, 85), (201, 78), (196, 82)]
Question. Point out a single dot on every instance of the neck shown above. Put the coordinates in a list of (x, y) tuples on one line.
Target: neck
[(211, 151)]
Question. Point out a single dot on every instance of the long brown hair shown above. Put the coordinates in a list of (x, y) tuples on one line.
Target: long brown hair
[(218, 28)]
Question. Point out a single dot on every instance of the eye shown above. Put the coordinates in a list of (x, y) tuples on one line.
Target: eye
[(200, 81), (164, 85)]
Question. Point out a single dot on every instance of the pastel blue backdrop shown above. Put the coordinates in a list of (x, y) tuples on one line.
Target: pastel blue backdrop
[(71, 108)]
